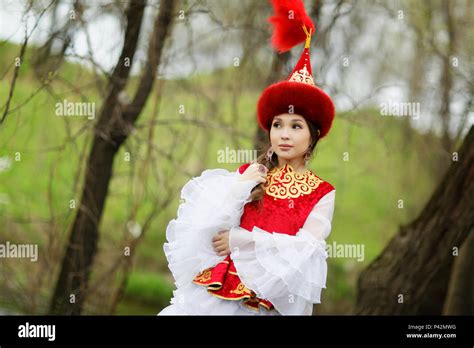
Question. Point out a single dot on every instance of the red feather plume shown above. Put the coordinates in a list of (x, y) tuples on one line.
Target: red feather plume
[(288, 20)]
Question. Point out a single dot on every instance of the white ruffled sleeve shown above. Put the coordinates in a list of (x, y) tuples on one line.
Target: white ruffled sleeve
[(212, 202), (289, 271)]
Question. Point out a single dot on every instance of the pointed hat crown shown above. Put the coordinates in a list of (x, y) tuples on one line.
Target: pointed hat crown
[(299, 93)]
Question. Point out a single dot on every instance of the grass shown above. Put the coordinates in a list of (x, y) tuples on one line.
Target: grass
[(146, 293)]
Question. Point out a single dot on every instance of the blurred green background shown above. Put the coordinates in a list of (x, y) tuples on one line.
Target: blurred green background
[(384, 169), (36, 190)]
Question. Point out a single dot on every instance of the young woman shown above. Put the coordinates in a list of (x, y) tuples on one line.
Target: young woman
[(252, 242)]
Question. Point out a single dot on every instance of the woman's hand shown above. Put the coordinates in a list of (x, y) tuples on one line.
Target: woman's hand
[(220, 243), (255, 172)]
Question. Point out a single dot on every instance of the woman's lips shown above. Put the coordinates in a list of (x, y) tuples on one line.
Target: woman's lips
[(285, 147)]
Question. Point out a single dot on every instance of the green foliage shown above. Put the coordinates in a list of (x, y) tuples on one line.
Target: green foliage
[(380, 169), (146, 293)]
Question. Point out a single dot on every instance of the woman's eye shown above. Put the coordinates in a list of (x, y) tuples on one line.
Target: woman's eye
[(277, 125)]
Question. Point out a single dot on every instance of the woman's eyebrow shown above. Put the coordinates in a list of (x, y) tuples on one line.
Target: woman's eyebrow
[(295, 119)]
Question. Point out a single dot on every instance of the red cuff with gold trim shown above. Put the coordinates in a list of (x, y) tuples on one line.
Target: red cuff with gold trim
[(223, 281)]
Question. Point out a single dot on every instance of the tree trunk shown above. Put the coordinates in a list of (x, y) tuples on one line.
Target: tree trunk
[(411, 275), (113, 127), (446, 82), (460, 299)]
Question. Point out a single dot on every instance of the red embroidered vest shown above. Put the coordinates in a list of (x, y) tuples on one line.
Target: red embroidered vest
[(288, 199)]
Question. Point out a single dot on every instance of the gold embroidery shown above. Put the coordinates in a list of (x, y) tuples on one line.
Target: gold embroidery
[(285, 183), (247, 295), (241, 289), (265, 306), (248, 303), (303, 76), (250, 306), (243, 297), (204, 276)]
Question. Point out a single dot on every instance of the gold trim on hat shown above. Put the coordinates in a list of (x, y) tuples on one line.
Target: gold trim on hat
[(308, 36), (302, 76)]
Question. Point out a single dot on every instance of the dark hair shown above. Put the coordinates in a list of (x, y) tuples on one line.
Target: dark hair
[(257, 192)]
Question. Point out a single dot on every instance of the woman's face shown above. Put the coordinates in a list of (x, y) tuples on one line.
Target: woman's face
[(291, 130)]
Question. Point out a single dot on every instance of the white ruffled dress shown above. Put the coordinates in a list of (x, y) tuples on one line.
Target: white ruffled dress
[(289, 271)]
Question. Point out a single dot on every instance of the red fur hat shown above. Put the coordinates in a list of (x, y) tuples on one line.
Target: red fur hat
[(298, 94)]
